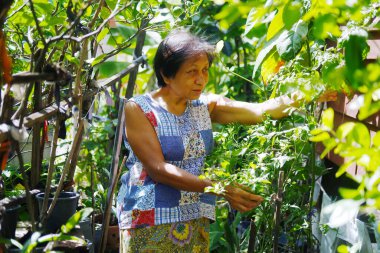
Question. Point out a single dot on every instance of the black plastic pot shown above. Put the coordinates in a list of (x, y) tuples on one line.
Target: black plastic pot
[(38, 249), (64, 208), (9, 223)]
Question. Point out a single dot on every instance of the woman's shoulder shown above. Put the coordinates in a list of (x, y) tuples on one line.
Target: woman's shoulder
[(139, 101)]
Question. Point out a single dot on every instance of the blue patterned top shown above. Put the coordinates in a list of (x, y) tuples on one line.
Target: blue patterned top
[(185, 141)]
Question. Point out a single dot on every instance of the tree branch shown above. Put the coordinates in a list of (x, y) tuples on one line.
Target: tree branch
[(37, 23), (80, 39)]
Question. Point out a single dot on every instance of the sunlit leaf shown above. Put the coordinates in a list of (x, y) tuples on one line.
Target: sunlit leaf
[(320, 137), (329, 145), (361, 135), (316, 131), (291, 13), (355, 52), (102, 34), (276, 25), (328, 118), (75, 218), (270, 66), (349, 193), (289, 44), (376, 139), (326, 26), (264, 53), (344, 129), (219, 46), (343, 168)]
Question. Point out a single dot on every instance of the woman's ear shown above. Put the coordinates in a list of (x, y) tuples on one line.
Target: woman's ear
[(165, 78)]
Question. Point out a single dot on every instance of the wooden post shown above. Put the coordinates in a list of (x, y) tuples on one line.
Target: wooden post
[(114, 175), (277, 214), (137, 53), (252, 236)]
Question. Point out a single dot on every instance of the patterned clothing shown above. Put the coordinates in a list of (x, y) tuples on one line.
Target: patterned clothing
[(185, 141), (187, 236)]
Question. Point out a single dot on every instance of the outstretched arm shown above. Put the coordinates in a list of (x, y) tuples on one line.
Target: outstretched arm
[(224, 110)]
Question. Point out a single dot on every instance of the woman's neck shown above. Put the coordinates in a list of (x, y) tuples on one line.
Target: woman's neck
[(170, 101)]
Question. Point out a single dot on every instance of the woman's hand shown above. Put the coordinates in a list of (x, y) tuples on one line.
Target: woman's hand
[(240, 199)]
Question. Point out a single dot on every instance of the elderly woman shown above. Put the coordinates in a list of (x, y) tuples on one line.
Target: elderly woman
[(162, 205)]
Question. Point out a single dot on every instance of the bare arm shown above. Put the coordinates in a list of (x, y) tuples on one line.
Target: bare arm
[(224, 110), (145, 144)]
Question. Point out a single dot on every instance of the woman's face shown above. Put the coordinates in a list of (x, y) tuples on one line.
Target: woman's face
[(191, 78)]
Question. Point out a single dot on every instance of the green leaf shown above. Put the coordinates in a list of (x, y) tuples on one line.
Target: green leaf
[(291, 13), (326, 26), (270, 66), (263, 55), (376, 139), (342, 169), (320, 137), (72, 59), (361, 135), (78, 216), (316, 131), (344, 129), (354, 55), (102, 34), (329, 145), (328, 118), (97, 60), (288, 45), (350, 193), (276, 25)]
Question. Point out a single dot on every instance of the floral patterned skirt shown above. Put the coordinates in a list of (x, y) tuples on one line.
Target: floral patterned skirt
[(187, 236)]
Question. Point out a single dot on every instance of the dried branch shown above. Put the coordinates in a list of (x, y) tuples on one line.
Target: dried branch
[(98, 30), (92, 22), (72, 26), (125, 45)]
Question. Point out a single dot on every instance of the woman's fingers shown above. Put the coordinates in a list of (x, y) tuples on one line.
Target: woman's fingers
[(242, 200)]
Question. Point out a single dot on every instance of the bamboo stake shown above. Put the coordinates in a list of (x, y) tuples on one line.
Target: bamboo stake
[(114, 176), (277, 215), (252, 236), (137, 53), (106, 217), (51, 170)]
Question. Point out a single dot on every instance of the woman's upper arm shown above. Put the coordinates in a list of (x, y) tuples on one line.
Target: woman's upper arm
[(143, 138), (223, 110)]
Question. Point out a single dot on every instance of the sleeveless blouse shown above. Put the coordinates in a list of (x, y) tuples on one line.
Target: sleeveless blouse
[(185, 141)]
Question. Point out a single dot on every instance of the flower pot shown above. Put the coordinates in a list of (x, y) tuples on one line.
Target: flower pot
[(113, 238), (38, 249), (9, 223), (64, 208)]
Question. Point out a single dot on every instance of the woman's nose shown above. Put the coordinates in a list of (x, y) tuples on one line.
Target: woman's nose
[(200, 79)]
